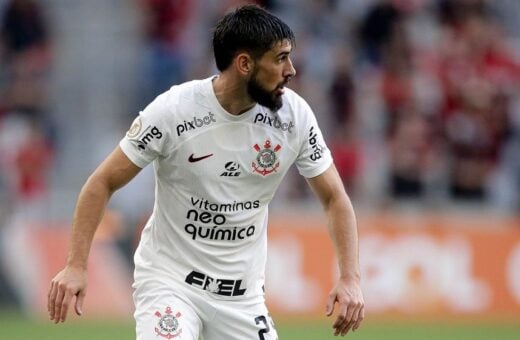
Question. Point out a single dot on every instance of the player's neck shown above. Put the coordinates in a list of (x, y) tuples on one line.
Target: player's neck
[(232, 94)]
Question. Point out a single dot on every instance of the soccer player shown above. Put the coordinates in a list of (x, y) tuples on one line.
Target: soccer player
[(220, 147)]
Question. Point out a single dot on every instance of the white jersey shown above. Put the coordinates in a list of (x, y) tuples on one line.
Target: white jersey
[(215, 176)]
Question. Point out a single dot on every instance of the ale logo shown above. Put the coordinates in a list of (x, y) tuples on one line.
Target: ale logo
[(231, 170)]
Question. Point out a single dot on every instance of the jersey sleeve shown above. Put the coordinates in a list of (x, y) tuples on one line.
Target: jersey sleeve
[(147, 137), (314, 156)]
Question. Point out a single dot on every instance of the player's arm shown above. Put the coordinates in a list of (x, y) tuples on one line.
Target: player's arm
[(343, 231), (113, 173)]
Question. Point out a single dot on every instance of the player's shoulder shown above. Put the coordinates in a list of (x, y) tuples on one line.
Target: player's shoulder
[(294, 101), (188, 91), (184, 99), (295, 106)]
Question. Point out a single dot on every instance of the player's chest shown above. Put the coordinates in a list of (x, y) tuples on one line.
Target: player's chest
[(235, 153)]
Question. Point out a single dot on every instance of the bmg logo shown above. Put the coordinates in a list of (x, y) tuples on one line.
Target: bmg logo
[(317, 149), (148, 135)]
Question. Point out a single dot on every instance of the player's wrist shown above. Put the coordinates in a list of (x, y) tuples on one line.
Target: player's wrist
[(351, 277), (76, 264)]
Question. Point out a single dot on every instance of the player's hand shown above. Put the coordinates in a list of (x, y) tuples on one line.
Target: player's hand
[(351, 307), (69, 283)]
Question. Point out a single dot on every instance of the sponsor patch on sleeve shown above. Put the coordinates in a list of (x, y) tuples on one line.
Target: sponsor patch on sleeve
[(135, 128)]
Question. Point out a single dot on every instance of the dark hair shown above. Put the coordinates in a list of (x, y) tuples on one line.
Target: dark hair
[(250, 28)]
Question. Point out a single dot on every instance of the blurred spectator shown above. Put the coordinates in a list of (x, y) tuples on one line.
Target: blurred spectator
[(409, 114), (377, 28), (398, 72), (26, 132), (27, 158), (32, 163), (345, 143), (412, 154), (165, 46), (25, 49), (477, 75), (342, 92)]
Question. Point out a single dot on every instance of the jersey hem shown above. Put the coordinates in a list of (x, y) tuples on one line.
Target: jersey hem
[(318, 171), (127, 150)]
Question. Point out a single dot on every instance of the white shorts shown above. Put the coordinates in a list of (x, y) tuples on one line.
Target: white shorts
[(186, 314)]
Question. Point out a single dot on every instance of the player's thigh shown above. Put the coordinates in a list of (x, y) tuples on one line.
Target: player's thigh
[(250, 323), (165, 316)]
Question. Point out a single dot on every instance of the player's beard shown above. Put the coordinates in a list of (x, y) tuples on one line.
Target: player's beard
[(262, 96)]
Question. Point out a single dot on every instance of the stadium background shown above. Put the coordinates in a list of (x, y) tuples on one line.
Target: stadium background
[(418, 100)]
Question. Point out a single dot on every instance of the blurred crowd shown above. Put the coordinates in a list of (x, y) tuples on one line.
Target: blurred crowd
[(417, 98), (421, 97), (26, 138)]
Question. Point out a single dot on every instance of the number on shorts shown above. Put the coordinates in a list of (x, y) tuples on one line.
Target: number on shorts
[(264, 330)]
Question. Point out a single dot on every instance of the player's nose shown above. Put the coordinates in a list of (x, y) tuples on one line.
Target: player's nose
[(289, 70)]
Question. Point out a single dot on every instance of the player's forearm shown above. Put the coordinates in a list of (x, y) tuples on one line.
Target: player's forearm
[(90, 207), (344, 235)]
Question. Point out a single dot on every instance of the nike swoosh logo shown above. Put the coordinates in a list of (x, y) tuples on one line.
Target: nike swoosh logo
[(193, 159)]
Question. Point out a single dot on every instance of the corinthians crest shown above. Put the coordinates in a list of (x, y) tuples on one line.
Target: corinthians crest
[(266, 159), (168, 324)]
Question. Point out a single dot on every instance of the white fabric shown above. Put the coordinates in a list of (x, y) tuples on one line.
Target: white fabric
[(210, 215)]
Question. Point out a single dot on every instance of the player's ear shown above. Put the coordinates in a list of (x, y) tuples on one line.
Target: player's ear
[(244, 63)]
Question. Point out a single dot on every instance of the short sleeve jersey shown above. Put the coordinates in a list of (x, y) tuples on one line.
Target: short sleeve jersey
[(215, 176)]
